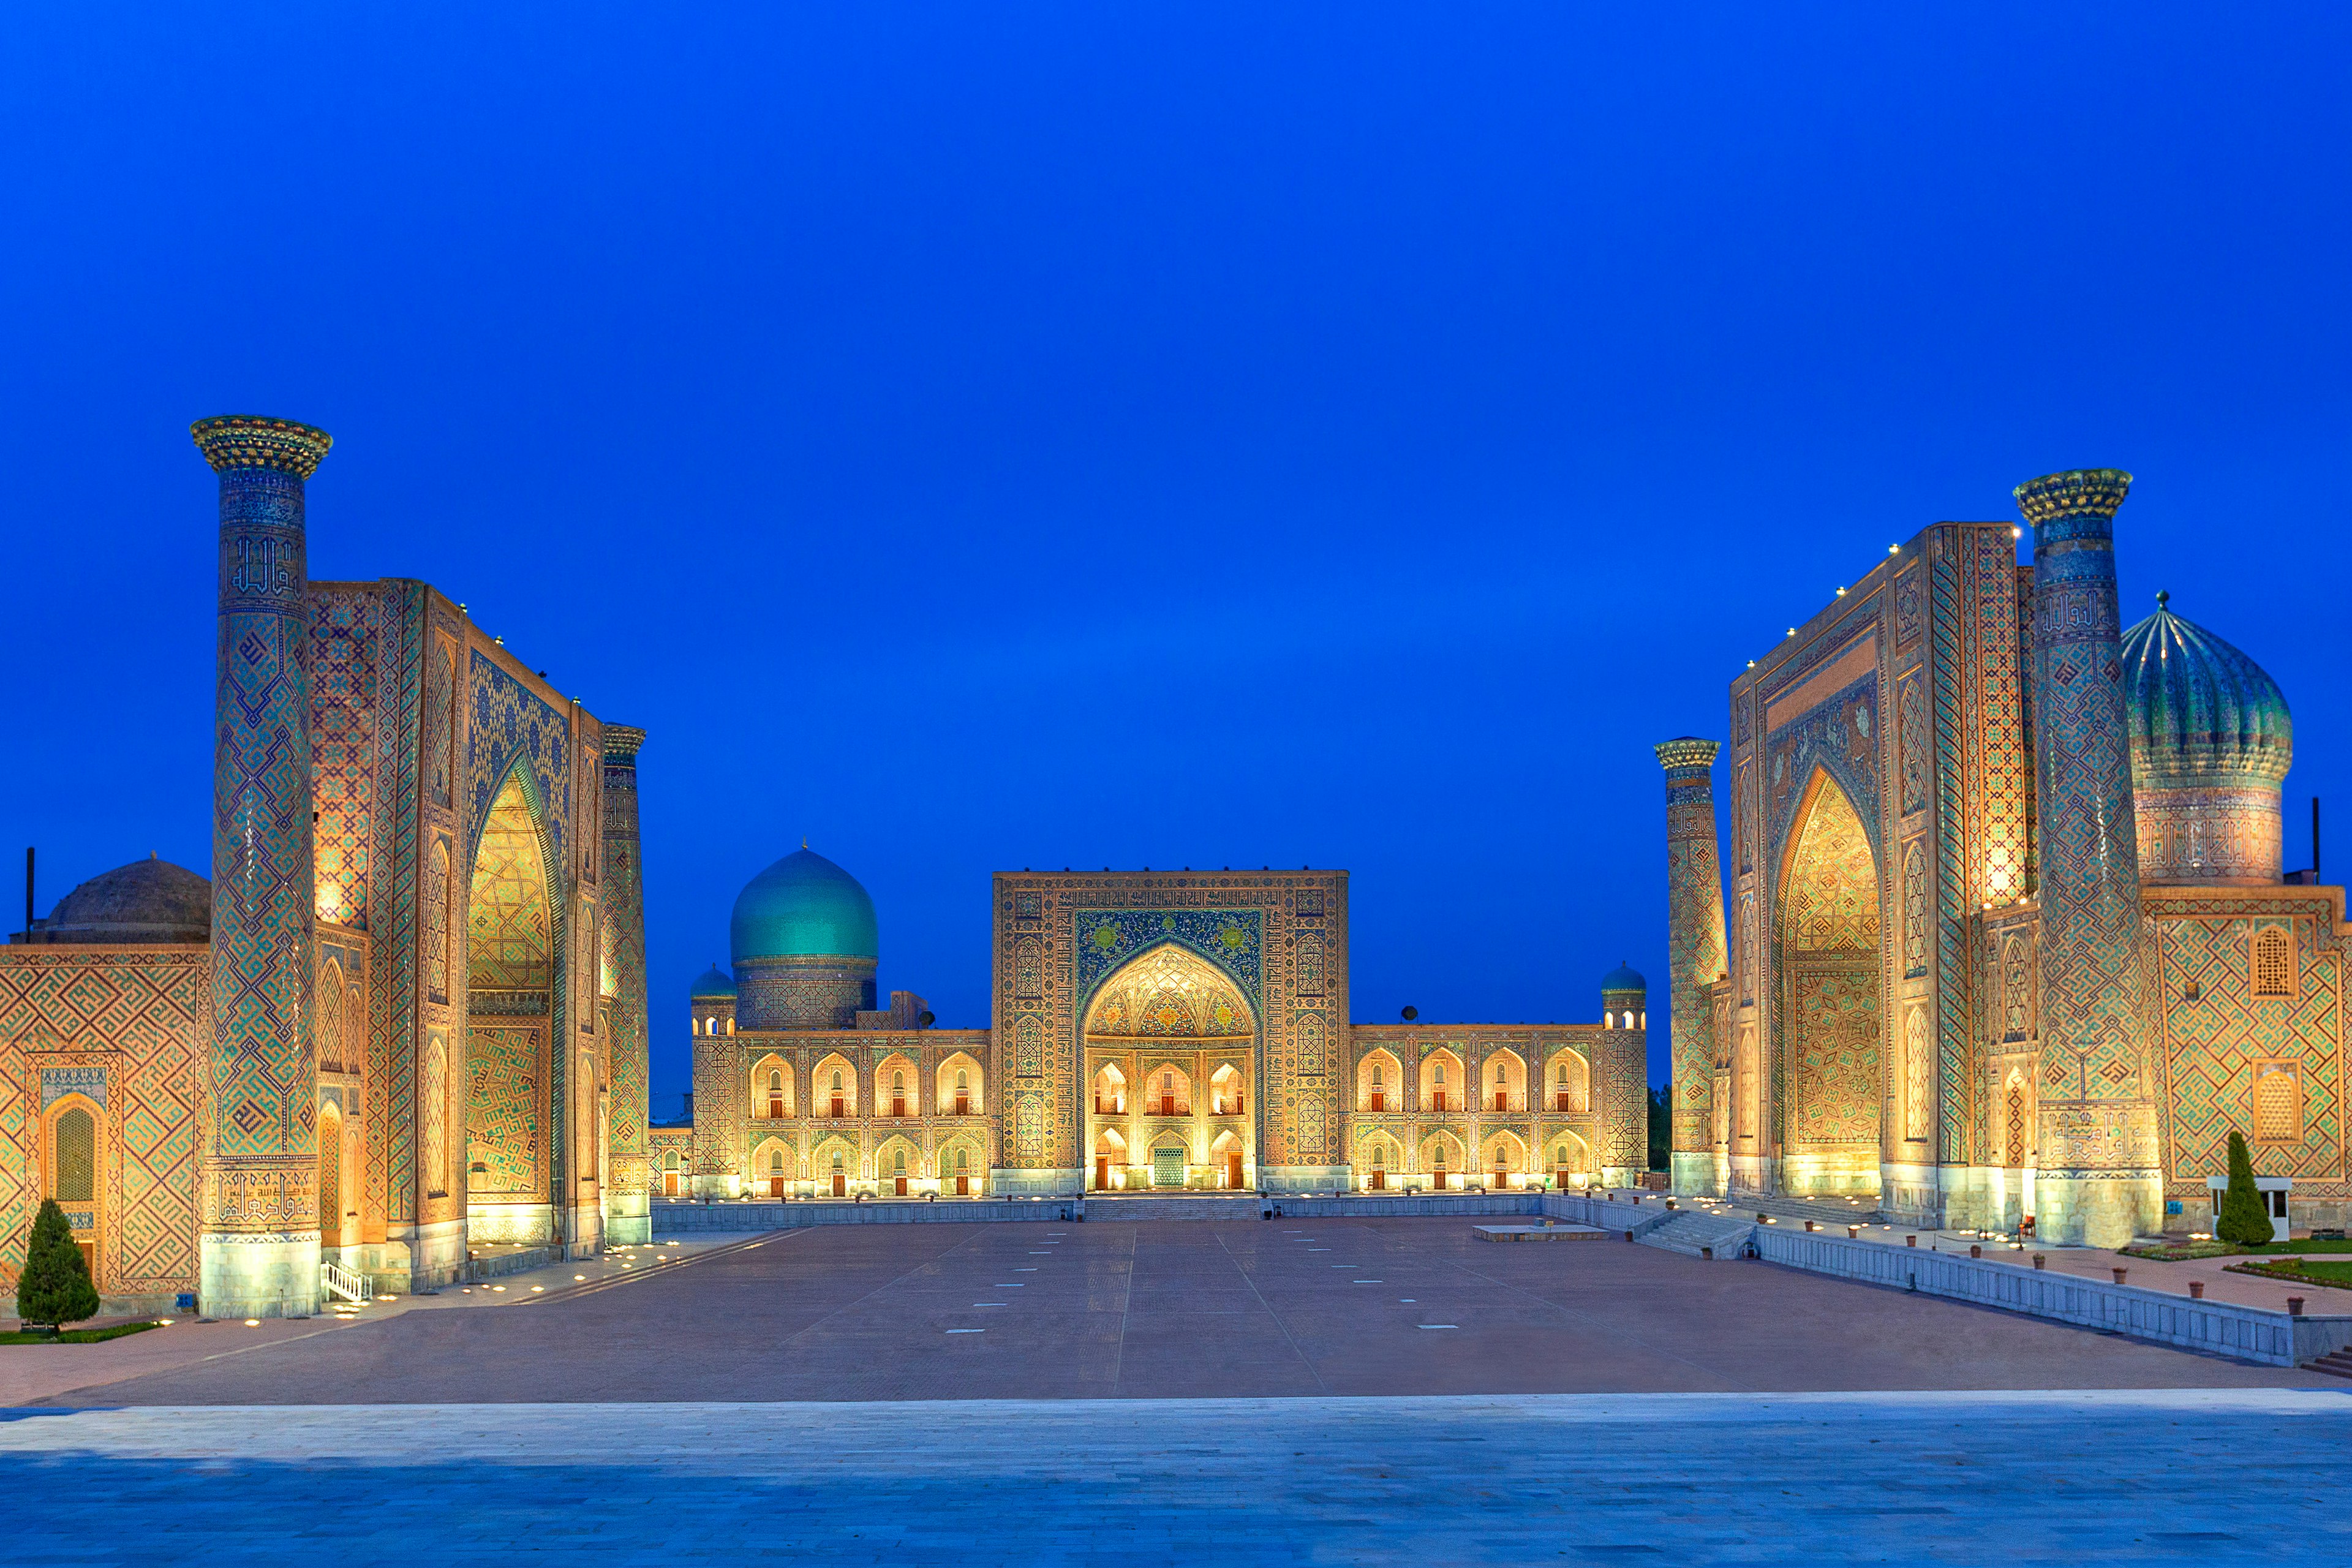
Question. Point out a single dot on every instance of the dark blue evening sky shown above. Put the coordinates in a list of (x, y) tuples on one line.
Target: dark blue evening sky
[(988, 436)]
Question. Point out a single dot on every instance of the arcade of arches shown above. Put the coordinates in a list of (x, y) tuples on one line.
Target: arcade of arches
[(1170, 1040)]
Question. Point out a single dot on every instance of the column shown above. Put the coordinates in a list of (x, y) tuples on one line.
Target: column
[(259, 1194), (2099, 1183), (1696, 953), (628, 1214)]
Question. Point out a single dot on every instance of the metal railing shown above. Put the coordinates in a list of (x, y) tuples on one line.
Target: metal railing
[(341, 1281)]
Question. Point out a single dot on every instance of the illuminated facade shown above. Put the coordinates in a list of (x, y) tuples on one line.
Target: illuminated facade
[(1153, 1032), (2006, 933), (405, 1014)]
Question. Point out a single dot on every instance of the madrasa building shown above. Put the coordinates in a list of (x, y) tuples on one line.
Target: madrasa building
[(1153, 1033), (402, 1021), (2006, 936)]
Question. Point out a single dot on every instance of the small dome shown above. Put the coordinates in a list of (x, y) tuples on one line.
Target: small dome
[(2201, 713), (147, 901), (1622, 978), (804, 906), (714, 983)]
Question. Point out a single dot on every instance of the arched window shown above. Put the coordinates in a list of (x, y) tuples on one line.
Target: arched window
[(960, 1156), (1376, 1075), (963, 1080), (836, 1161), (77, 1173), (897, 1083), (2273, 966), (1380, 1155), (775, 1161), (1500, 1079), (1441, 1073), (837, 1082), (1563, 1075)]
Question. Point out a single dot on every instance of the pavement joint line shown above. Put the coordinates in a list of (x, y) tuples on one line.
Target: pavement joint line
[(929, 1262), (632, 1276), (1119, 1360), (1312, 1370)]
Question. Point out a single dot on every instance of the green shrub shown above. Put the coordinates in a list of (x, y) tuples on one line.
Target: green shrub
[(2244, 1220), (54, 1286)]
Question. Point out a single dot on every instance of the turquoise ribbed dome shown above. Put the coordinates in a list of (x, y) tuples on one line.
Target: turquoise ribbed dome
[(2201, 713), (804, 906), (714, 983), (1622, 978)]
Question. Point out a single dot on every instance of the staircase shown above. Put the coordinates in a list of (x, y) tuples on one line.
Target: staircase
[(1827, 1212), (339, 1281), (2336, 1363), (1699, 1235)]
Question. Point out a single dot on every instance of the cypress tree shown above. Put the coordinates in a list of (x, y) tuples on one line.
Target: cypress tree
[(54, 1286), (2244, 1221)]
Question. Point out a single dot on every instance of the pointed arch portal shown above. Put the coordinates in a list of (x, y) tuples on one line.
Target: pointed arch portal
[(1833, 1002)]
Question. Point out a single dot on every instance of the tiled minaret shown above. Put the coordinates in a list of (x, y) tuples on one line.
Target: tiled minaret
[(2098, 1184), (628, 1218), (258, 1197), (1694, 950), (1622, 1063)]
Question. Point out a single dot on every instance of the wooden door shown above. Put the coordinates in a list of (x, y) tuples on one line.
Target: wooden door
[(775, 1108), (669, 1183), (902, 1186), (1502, 1181), (1102, 1172), (89, 1259), (1380, 1179), (840, 1184), (1379, 1100), (897, 1105), (1560, 1180), (1502, 1100), (963, 1103), (1559, 1100), (1167, 1105), (1437, 1177), (837, 1107), (1234, 1170), (963, 1186), (1437, 1098)]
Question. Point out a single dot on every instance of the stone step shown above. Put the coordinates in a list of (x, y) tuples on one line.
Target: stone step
[(2336, 1363), (1722, 1238)]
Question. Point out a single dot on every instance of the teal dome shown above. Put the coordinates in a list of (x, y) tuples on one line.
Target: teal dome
[(804, 906), (2201, 713), (1622, 978), (714, 983)]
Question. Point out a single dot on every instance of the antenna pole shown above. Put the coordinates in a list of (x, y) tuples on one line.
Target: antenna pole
[(2314, 841), (28, 894)]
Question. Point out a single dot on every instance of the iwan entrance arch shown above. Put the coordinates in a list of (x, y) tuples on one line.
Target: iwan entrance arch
[(1832, 1011), (1178, 1030)]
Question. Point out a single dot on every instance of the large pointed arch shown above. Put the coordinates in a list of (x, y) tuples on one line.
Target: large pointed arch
[(1829, 933), (513, 1002)]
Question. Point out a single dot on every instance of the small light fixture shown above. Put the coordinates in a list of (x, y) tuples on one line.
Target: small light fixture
[(1894, 550), (2016, 532), (1841, 592)]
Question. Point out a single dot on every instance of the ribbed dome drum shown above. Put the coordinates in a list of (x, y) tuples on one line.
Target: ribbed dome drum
[(2210, 742)]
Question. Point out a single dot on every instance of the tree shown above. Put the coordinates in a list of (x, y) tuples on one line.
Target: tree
[(2244, 1221), (54, 1286), (1661, 1129)]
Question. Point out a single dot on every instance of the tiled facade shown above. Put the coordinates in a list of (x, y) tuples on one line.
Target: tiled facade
[(404, 1040), (1964, 976), (1156, 1031)]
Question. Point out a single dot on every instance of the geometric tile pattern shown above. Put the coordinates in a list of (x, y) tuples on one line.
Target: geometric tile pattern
[(139, 1016), (509, 937), (506, 1069), (2088, 850), (1695, 933), (625, 961), (261, 1171)]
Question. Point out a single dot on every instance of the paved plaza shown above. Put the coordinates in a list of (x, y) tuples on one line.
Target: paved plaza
[(1154, 1309), (2209, 1477)]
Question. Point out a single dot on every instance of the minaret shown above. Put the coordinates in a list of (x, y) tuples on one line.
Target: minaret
[(1622, 1074), (1694, 951), (2098, 1184), (628, 1215), (258, 1198)]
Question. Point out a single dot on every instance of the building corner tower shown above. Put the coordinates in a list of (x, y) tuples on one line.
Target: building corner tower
[(258, 1193), (1695, 950), (2097, 1182), (628, 1213)]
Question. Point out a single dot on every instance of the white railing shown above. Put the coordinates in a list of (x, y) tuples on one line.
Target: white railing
[(342, 1282)]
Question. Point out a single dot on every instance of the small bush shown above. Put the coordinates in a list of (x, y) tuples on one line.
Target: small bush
[(2243, 1220), (54, 1286)]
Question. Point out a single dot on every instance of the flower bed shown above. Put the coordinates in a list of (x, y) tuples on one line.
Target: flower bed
[(2296, 1271)]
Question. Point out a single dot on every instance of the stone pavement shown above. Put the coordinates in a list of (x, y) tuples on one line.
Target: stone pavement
[(30, 1373), (2208, 1477), (1178, 1308)]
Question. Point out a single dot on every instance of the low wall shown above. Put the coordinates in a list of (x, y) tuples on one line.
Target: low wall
[(1608, 1213), (687, 1218), (2250, 1333)]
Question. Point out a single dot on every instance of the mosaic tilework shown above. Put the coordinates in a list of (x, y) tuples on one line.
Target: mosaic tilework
[(347, 632), (623, 960), (508, 724), (1694, 932), (260, 1166), (2098, 1123), (506, 1131), (126, 1029)]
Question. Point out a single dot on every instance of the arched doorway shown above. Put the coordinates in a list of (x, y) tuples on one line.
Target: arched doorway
[(73, 1149), (1832, 1007), (1170, 1040), (510, 1005)]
